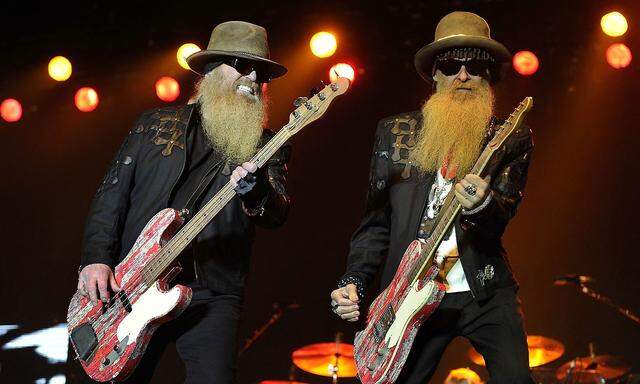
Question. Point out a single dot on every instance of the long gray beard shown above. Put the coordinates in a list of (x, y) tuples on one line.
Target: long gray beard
[(232, 123)]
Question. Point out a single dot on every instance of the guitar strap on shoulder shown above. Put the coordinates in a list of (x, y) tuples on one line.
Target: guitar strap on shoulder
[(208, 177)]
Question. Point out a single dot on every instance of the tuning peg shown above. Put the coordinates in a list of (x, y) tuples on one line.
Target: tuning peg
[(299, 101), (316, 90)]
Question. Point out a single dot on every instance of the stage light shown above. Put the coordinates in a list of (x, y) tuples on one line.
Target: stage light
[(525, 63), (59, 68), (86, 99), (618, 55), (11, 110), (185, 51), (614, 24), (463, 375), (342, 70), (167, 89), (323, 44)]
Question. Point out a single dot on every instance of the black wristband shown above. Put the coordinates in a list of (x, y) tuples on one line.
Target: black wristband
[(355, 280)]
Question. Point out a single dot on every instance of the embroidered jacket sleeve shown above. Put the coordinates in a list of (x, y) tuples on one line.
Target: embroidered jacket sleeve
[(370, 242), (269, 205), (101, 239), (507, 190)]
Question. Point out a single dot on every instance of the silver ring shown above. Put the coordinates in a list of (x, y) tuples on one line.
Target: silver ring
[(471, 189)]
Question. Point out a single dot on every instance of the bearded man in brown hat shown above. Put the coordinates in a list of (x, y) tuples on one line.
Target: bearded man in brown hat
[(180, 157), (418, 159)]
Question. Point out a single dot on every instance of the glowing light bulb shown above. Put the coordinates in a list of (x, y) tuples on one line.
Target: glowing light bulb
[(614, 24), (525, 63), (86, 99), (323, 44), (60, 68), (167, 89), (618, 56), (342, 70), (185, 51), (11, 110)]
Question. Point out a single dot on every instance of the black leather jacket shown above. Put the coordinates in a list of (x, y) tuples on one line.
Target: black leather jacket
[(140, 181), (397, 196)]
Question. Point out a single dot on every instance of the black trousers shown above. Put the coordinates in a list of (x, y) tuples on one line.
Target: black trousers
[(205, 335), (494, 328)]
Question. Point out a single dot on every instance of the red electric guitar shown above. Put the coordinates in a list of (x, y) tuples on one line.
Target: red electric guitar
[(395, 316), (109, 339)]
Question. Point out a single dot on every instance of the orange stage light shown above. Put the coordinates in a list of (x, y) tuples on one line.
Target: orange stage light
[(342, 70), (86, 99), (618, 55), (167, 89), (185, 51), (11, 110), (614, 24), (525, 63), (59, 68), (323, 44)]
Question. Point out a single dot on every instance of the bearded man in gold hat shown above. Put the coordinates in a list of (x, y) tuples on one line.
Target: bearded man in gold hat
[(418, 158), (180, 157)]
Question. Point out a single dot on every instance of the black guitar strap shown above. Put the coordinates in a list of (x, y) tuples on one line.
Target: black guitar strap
[(212, 171)]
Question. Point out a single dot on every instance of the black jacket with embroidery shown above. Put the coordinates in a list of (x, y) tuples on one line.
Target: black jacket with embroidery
[(139, 183), (396, 200)]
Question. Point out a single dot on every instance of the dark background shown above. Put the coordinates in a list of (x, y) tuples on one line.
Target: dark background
[(580, 214)]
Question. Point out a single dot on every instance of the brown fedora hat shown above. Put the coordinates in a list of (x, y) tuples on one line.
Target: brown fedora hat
[(236, 39), (459, 30)]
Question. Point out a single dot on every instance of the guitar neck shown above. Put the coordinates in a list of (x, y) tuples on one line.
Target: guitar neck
[(452, 207), (186, 234), (446, 219)]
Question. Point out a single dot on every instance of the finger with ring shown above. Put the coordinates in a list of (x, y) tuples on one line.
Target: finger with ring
[(471, 189)]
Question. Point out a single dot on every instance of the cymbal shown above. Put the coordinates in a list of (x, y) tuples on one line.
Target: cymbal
[(321, 358), (605, 366), (542, 350)]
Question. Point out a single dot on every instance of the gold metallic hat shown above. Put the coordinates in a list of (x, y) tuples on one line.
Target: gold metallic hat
[(459, 30), (236, 39)]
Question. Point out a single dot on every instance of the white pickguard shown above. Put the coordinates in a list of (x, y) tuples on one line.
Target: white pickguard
[(150, 305), (412, 303)]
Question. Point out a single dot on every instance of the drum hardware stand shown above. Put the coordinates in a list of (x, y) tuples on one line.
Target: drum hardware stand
[(278, 311)]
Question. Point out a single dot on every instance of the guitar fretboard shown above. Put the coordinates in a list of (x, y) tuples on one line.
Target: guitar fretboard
[(186, 234)]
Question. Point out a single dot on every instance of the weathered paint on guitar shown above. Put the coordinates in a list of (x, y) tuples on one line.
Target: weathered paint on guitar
[(124, 326)]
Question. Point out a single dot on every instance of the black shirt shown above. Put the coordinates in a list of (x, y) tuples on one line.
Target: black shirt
[(198, 164)]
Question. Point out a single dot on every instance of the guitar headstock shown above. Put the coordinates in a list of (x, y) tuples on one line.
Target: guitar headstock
[(309, 110), (511, 124)]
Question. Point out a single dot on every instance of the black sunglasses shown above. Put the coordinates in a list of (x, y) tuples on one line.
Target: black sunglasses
[(245, 67), (451, 67)]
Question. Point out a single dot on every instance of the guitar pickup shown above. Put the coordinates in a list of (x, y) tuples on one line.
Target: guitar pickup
[(124, 299)]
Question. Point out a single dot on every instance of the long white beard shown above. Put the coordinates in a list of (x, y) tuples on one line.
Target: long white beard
[(232, 123)]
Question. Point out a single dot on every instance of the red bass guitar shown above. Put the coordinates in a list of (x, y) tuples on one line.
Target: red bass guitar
[(109, 339), (395, 316)]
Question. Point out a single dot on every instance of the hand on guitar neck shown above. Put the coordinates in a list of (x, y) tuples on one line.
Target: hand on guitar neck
[(95, 280), (472, 191)]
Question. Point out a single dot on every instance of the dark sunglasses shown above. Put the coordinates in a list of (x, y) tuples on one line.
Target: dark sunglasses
[(245, 67), (451, 67)]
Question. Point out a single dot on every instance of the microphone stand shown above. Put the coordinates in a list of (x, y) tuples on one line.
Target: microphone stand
[(592, 293)]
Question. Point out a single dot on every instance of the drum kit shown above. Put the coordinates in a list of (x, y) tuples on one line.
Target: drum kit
[(593, 369), (335, 359)]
